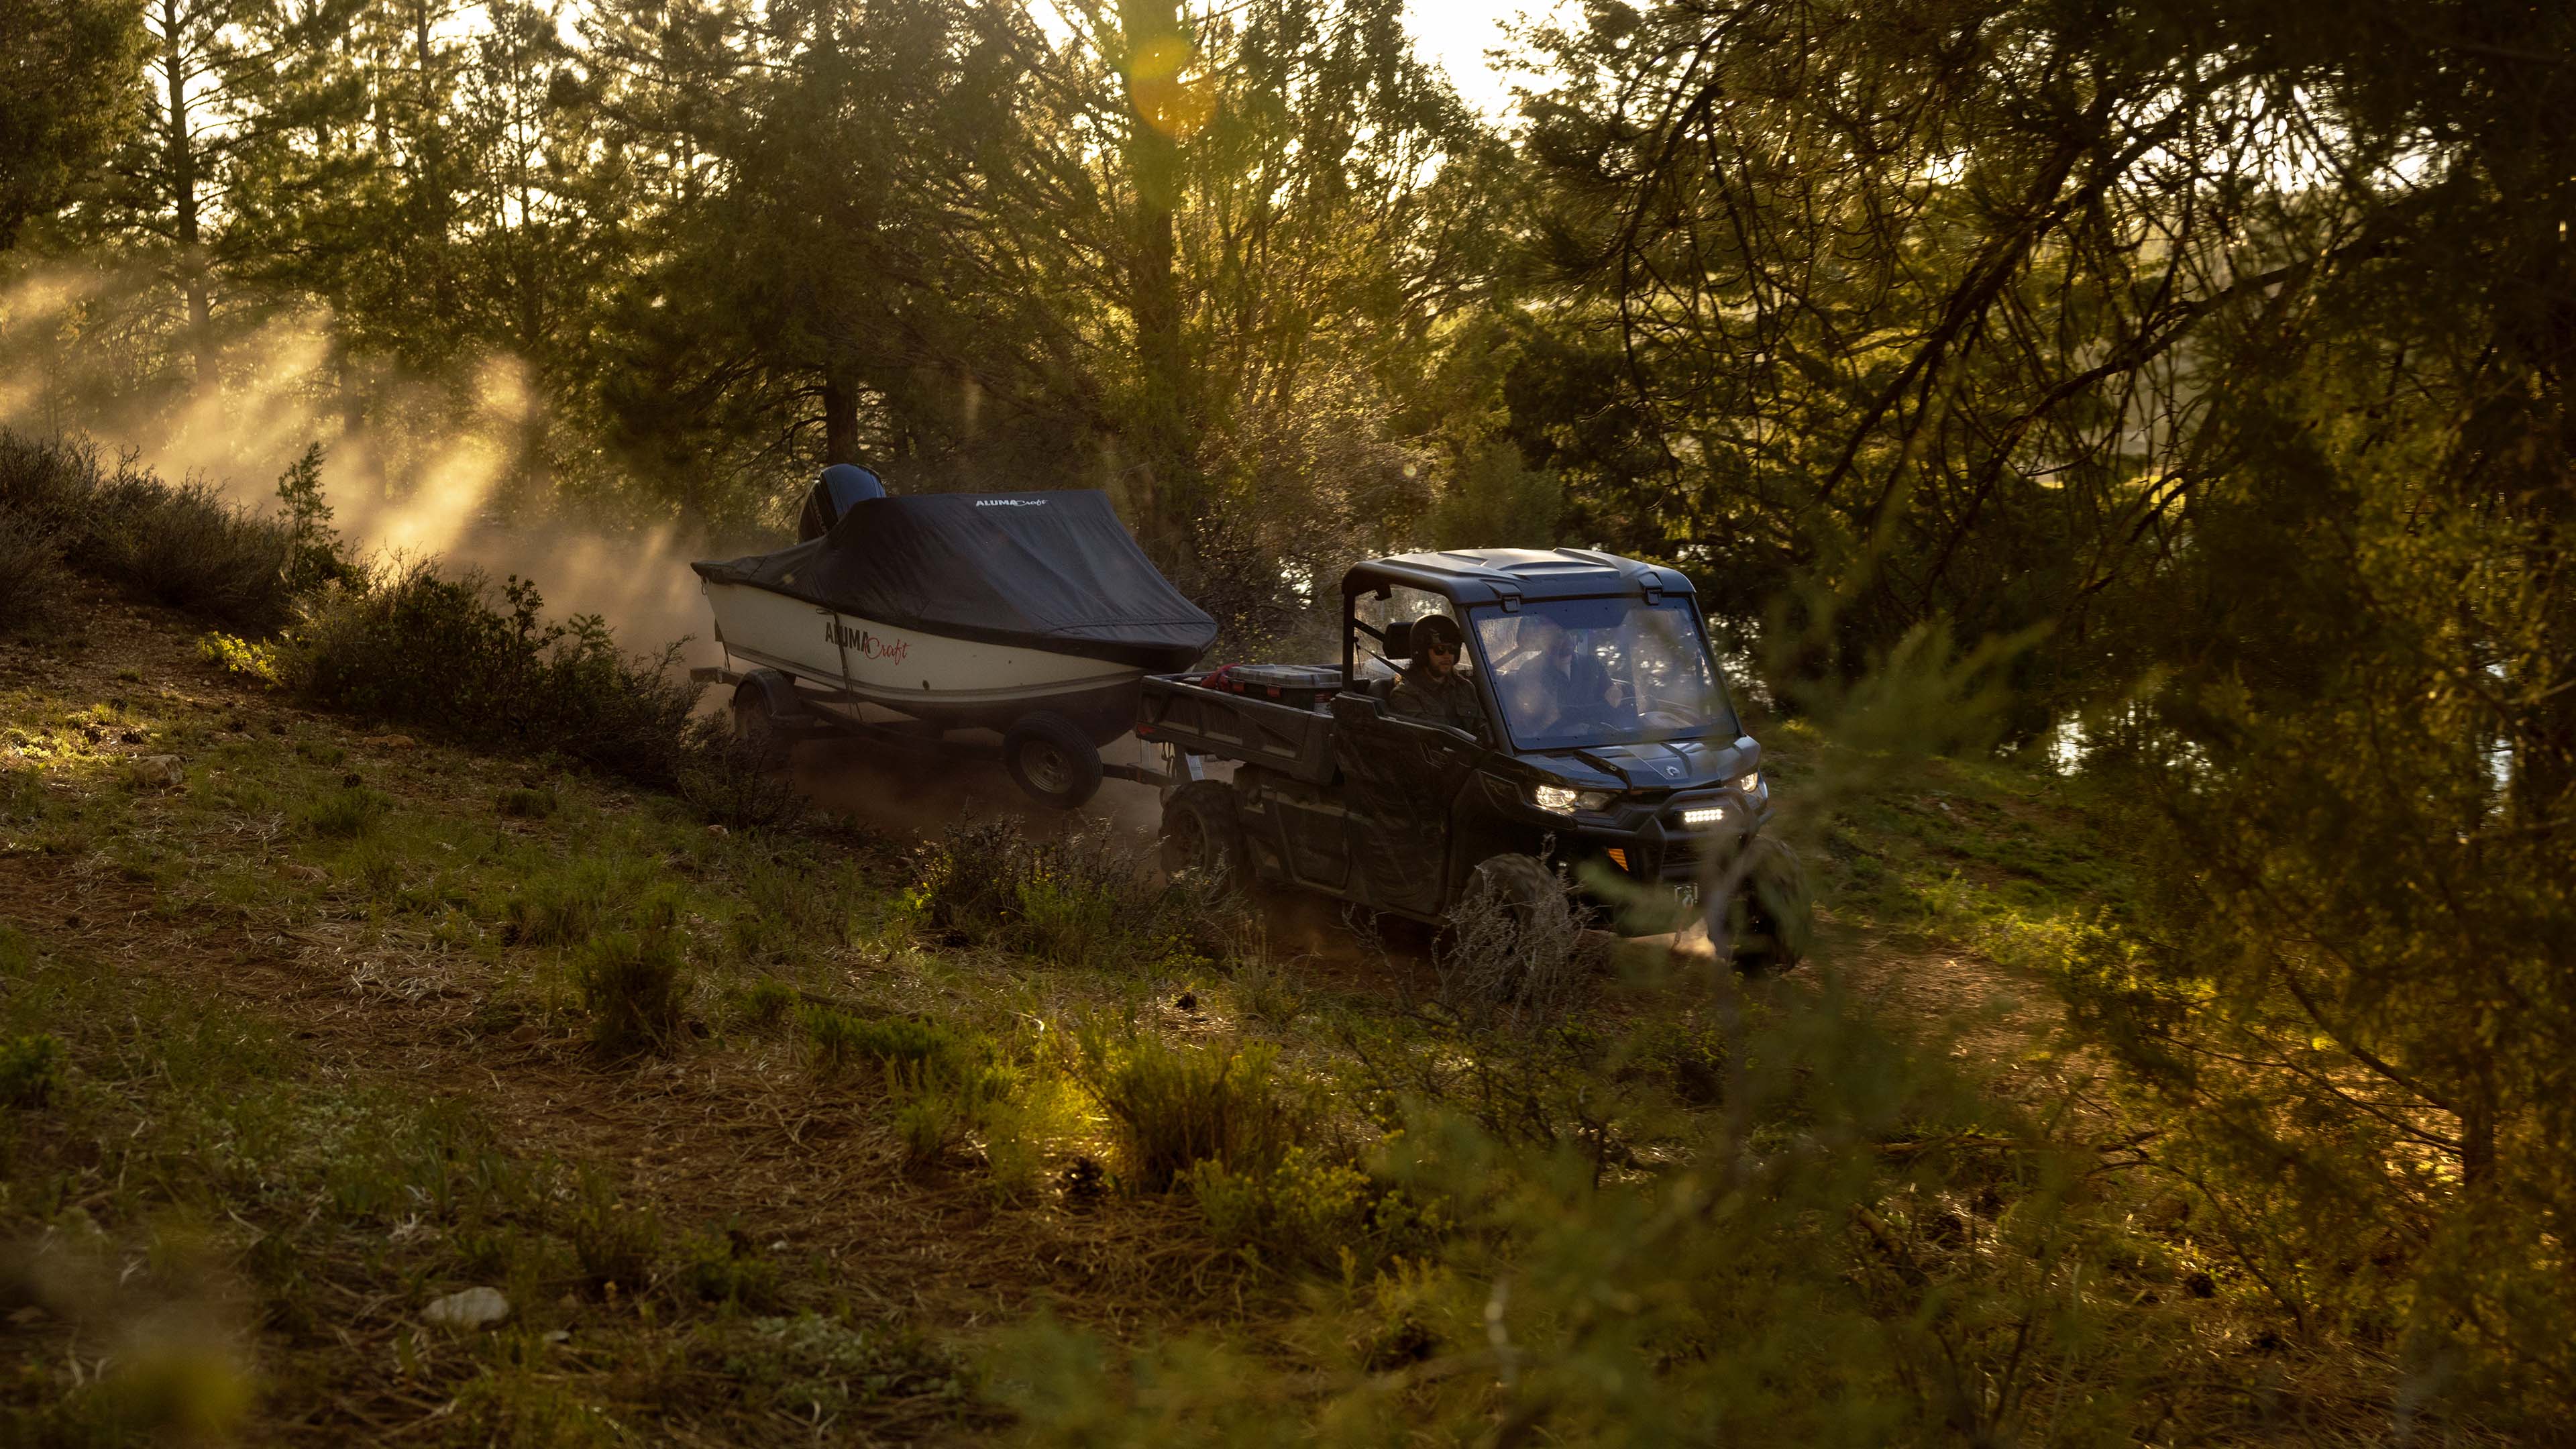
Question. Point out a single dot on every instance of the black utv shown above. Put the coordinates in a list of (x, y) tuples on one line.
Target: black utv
[(1603, 743)]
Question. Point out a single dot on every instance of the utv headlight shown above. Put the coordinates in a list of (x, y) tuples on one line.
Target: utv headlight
[(1565, 799), (1749, 783)]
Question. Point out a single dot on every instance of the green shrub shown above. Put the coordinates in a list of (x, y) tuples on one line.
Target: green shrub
[(349, 813), (559, 908), (813, 898), (241, 657), (32, 576), (617, 1246), (1266, 990), (1304, 1211), (408, 645), (1172, 1108), (1084, 900), (841, 1040), (729, 1268), (188, 548), (525, 804), (969, 877), (1068, 919), (31, 1070), (1513, 952), (768, 1001), (725, 781), (636, 989), (932, 1119), (181, 545)]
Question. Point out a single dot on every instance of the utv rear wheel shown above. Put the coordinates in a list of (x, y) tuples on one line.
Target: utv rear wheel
[(1051, 758), (1202, 833)]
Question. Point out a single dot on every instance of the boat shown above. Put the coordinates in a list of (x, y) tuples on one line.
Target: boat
[(1031, 614)]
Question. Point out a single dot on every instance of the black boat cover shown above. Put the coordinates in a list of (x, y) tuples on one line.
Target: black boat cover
[(1053, 570)]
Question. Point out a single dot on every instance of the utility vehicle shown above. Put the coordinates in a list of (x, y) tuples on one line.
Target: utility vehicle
[(1607, 748)]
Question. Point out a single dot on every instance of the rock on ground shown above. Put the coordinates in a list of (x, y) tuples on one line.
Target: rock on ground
[(473, 1308)]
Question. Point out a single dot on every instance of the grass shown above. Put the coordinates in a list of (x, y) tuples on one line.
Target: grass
[(830, 1120)]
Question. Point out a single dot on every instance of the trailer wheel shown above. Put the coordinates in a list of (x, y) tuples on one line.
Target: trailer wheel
[(760, 720), (1050, 757), (1201, 832)]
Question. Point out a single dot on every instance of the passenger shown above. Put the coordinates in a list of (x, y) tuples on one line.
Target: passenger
[(1432, 688)]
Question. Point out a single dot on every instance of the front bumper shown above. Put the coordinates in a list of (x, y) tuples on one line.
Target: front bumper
[(1663, 843)]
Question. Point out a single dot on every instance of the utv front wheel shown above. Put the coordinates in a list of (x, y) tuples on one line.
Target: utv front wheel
[(1772, 914), (1521, 886)]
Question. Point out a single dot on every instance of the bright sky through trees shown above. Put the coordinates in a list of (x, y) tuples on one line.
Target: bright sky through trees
[(1456, 34)]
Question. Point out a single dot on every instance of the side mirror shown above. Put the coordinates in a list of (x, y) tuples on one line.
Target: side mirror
[(1399, 639)]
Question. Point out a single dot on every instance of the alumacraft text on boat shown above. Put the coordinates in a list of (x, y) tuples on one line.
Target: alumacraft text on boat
[(868, 645)]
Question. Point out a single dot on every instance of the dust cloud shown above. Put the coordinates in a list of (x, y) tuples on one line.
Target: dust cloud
[(908, 793), (416, 468)]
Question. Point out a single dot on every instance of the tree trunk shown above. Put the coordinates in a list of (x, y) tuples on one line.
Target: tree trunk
[(1169, 493), (840, 419), (183, 201), (432, 200)]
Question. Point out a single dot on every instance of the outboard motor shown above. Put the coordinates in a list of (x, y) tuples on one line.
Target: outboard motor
[(842, 487)]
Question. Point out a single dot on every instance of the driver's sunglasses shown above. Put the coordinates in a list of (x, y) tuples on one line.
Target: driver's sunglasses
[(1449, 649)]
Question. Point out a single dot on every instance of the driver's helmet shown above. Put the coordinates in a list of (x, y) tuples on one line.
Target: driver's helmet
[(1436, 629)]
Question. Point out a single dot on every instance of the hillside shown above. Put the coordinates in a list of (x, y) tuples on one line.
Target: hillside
[(323, 1055)]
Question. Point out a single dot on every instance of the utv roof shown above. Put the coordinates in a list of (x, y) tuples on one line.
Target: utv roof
[(1508, 575)]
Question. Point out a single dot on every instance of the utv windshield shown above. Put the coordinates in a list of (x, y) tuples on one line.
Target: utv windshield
[(1602, 672)]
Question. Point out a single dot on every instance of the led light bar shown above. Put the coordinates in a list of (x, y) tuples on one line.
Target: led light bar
[(1705, 815)]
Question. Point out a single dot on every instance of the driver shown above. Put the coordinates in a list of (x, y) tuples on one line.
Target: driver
[(1551, 683), (1432, 689)]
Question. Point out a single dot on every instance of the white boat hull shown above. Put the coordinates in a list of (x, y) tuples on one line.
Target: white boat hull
[(930, 676)]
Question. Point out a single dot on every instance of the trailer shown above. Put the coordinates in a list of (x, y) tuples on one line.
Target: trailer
[(1031, 615), (774, 711)]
